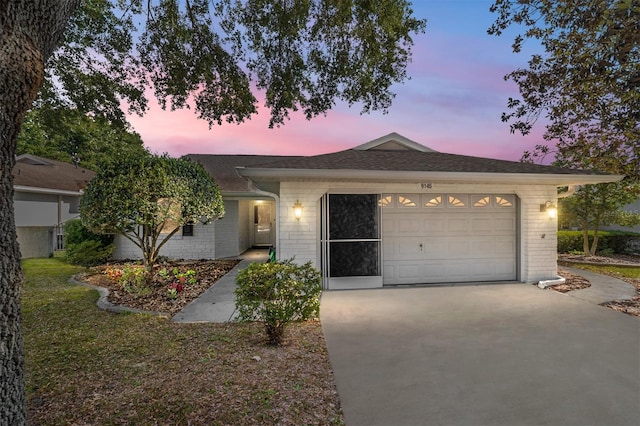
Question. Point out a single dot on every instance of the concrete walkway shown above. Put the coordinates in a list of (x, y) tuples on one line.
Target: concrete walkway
[(603, 287), (217, 304)]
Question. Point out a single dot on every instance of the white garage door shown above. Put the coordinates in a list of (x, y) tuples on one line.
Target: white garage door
[(438, 238)]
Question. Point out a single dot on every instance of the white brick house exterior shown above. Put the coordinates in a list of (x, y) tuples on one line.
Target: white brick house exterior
[(389, 212)]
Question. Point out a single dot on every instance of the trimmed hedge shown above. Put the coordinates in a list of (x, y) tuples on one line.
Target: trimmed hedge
[(608, 241)]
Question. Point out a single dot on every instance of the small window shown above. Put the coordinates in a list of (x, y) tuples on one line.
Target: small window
[(187, 229), (455, 201), (432, 201), (504, 201), (481, 201), (405, 201), (386, 201)]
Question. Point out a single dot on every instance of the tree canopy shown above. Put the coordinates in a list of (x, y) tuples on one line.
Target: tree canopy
[(148, 198), (214, 56), (66, 134), (586, 86), (588, 79)]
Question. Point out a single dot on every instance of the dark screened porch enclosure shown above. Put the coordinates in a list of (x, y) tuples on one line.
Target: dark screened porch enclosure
[(350, 240)]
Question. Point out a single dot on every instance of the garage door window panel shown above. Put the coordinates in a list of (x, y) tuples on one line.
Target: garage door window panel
[(457, 201)]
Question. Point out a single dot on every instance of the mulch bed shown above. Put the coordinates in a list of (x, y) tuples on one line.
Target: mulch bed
[(573, 282), (154, 296)]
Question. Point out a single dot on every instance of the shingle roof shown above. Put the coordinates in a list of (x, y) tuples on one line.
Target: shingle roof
[(223, 168), (411, 161), (39, 172)]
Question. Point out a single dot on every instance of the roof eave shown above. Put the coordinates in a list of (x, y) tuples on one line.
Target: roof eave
[(412, 176), (38, 190)]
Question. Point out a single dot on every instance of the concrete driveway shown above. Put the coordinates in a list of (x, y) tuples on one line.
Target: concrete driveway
[(507, 354)]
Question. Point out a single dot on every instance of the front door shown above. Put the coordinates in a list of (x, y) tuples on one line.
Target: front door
[(262, 224), (351, 241)]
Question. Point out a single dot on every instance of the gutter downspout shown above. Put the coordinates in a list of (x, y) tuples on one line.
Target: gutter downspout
[(570, 191)]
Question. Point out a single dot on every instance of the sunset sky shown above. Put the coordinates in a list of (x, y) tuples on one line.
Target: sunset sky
[(452, 103)]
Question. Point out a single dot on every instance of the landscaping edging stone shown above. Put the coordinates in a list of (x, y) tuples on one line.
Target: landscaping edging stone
[(104, 304)]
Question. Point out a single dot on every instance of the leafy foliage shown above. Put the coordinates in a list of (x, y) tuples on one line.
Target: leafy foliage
[(83, 247), (587, 84), (588, 79), (278, 293), (211, 55), (148, 198), (66, 134), (609, 241)]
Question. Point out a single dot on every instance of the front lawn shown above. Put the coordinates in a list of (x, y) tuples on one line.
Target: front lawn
[(87, 366)]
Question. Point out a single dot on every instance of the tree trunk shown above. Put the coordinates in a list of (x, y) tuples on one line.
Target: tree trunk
[(29, 31), (585, 238)]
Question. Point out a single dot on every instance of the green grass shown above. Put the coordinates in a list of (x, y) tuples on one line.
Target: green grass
[(619, 271), (87, 366)]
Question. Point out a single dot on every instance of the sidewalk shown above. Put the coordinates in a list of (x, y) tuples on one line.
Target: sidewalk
[(217, 304), (603, 287)]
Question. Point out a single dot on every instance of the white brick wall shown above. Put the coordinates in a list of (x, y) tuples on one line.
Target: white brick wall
[(538, 240), (200, 246), (226, 231)]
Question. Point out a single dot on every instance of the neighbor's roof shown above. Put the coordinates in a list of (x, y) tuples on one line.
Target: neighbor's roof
[(37, 174)]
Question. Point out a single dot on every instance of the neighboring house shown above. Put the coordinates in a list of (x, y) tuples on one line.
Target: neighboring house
[(388, 212), (631, 208), (46, 194)]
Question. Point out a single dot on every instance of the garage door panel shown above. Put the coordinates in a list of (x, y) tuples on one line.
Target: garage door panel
[(402, 248), (457, 225), (433, 225), (457, 247), (505, 224), (458, 244)]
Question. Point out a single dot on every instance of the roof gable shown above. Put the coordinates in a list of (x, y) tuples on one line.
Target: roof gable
[(393, 142)]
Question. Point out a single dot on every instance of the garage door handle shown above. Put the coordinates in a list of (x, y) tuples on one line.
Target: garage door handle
[(420, 246)]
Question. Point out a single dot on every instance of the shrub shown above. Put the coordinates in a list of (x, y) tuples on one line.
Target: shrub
[(609, 242), (88, 253), (132, 279), (83, 247), (278, 293)]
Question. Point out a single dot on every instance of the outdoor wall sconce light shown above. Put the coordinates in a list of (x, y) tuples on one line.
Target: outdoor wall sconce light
[(550, 208), (297, 210)]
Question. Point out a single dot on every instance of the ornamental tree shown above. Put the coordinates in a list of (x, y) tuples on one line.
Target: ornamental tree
[(147, 199)]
